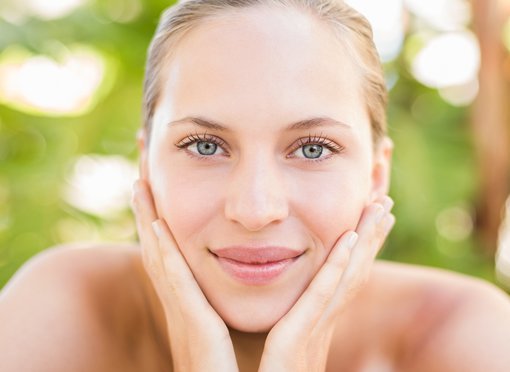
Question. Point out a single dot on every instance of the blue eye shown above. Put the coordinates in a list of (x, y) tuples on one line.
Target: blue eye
[(206, 148), (312, 151), (313, 148), (205, 145)]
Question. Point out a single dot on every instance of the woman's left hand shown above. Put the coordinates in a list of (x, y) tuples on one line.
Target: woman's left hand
[(300, 341)]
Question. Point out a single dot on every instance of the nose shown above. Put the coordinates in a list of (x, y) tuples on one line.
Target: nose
[(256, 195)]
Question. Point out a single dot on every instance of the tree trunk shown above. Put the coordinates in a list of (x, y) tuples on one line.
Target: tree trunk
[(490, 122)]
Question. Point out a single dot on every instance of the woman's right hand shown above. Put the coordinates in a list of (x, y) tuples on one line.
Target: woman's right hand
[(199, 338)]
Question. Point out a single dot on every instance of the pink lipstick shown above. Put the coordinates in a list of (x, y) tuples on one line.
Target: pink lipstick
[(256, 266)]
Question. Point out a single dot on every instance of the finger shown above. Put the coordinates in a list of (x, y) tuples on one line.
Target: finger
[(370, 231), (381, 229), (145, 214), (310, 306), (374, 225), (322, 291), (373, 228), (145, 210), (174, 263), (387, 203), (354, 274), (387, 225), (181, 282)]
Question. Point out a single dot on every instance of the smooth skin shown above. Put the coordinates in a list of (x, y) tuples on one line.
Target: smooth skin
[(94, 308), (165, 304), (257, 187), (300, 340)]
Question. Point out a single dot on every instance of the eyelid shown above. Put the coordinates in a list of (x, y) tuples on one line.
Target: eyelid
[(321, 140), (195, 137)]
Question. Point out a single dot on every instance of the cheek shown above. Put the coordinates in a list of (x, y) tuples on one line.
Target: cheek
[(186, 200), (325, 204), (331, 204)]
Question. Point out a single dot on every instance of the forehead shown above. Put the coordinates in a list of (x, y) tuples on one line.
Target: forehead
[(262, 63)]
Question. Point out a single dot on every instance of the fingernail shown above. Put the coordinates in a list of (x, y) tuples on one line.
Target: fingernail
[(388, 203), (353, 238), (157, 228), (389, 223)]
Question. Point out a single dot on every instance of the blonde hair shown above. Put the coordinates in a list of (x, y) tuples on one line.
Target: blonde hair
[(349, 25)]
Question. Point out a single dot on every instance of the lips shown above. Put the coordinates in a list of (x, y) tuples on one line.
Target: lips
[(252, 256), (256, 266)]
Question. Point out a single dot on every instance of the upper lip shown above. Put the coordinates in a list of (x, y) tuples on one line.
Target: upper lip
[(257, 255)]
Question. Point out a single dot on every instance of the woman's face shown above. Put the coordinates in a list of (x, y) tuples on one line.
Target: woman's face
[(257, 182)]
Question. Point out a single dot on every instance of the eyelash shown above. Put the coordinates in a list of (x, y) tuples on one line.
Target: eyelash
[(310, 140)]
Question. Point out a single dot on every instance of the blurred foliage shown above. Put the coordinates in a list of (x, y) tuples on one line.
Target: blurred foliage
[(434, 172)]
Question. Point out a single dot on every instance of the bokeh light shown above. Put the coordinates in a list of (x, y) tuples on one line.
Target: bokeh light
[(387, 20), (16, 11), (123, 11), (38, 83), (101, 185), (454, 223), (461, 95), (71, 74), (441, 15), (447, 60)]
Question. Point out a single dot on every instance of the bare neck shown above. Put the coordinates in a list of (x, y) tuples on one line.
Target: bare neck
[(248, 348)]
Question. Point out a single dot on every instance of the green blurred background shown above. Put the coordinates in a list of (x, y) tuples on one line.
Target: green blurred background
[(70, 105)]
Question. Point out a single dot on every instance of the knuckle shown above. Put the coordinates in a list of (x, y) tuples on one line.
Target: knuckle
[(341, 259), (336, 264), (323, 296), (174, 287)]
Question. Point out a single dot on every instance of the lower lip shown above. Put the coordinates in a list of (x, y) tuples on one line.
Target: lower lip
[(255, 274)]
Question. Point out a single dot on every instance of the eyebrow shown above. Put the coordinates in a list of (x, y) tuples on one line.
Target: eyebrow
[(320, 121)]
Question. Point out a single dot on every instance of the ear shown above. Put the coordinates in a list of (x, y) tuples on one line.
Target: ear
[(141, 140), (381, 171)]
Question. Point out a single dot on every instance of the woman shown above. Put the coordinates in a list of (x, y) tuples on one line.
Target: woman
[(260, 209)]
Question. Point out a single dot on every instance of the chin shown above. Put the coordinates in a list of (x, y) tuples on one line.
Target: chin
[(254, 318), (254, 310), (251, 326)]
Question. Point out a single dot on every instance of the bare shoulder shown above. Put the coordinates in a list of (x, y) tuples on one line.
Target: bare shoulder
[(449, 321), (417, 282), (60, 309)]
